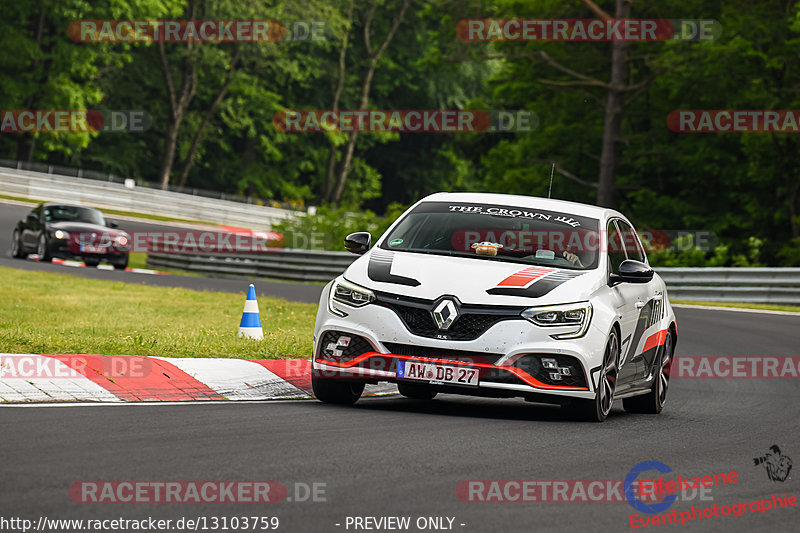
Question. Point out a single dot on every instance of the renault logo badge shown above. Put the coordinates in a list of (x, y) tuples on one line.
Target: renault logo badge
[(445, 314)]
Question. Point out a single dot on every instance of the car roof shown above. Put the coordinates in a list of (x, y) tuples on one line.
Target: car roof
[(46, 204), (531, 202)]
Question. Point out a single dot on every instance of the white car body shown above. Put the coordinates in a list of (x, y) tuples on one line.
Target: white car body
[(640, 312)]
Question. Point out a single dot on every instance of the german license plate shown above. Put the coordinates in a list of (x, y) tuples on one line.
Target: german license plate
[(92, 249), (437, 373)]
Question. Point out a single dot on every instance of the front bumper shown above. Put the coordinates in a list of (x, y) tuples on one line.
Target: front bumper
[(68, 249), (507, 356)]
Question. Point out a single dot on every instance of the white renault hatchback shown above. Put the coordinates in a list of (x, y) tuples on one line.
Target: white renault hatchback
[(499, 296)]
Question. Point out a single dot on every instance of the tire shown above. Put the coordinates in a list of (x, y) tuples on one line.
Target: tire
[(653, 402), (91, 263), (416, 391), (597, 410), (42, 251), (336, 391), (16, 246), (122, 264)]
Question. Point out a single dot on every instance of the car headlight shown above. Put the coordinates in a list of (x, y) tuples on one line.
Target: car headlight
[(350, 294), (578, 315), (60, 234), (121, 240)]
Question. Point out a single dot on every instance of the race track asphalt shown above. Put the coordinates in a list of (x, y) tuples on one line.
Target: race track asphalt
[(396, 457)]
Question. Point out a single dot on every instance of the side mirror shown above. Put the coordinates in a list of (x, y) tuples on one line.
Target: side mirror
[(358, 243), (111, 224), (631, 271), (32, 217)]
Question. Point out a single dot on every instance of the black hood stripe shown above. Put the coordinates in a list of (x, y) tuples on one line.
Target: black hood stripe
[(380, 267)]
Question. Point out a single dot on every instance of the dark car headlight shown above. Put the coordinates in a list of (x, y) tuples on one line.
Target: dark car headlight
[(578, 315), (349, 294)]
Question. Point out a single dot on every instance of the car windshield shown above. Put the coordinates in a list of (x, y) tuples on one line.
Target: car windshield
[(70, 213), (498, 233)]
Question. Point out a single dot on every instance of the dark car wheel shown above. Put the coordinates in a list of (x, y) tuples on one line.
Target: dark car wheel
[(16, 246), (416, 391), (42, 249), (91, 263), (121, 264), (653, 402), (336, 391), (597, 410)]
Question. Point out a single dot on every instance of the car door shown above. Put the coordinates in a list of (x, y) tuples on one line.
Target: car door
[(647, 301), (30, 228), (630, 301)]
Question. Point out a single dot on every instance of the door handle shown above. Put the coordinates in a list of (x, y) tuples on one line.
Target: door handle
[(639, 304)]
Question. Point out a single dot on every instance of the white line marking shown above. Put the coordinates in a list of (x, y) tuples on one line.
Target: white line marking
[(150, 404), (737, 309)]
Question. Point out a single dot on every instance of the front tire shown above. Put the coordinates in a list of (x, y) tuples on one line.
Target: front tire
[(42, 250), (653, 402), (416, 391), (16, 246), (336, 391), (91, 263), (122, 264), (597, 410)]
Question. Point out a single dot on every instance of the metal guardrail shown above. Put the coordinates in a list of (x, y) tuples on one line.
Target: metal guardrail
[(110, 195), (749, 285), (63, 171), (286, 264)]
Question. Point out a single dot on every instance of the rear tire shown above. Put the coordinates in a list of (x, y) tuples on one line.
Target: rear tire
[(16, 246), (597, 410), (91, 263), (336, 391), (416, 391), (653, 402)]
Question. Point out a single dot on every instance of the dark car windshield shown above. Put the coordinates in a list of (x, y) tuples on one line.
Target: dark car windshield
[(70, 213), (498, 233)]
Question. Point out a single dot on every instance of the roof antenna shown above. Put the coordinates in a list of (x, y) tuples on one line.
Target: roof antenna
[(551, 180)]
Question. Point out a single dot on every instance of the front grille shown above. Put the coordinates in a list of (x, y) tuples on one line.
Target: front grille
[(332, 346), (442, 353), (472, 322)]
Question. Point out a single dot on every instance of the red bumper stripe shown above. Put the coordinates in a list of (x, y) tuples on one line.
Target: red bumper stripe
[(521, 374)]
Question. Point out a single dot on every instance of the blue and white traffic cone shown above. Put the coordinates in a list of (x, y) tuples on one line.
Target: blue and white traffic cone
[(250, 326)]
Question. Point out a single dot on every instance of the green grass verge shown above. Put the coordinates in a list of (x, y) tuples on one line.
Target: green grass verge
[(137, 260), (116, 212), (58, 313), (766, 307)]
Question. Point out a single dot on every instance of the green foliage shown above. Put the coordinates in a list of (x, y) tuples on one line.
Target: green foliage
[(741, 186), (327, 229), (684, 253)]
